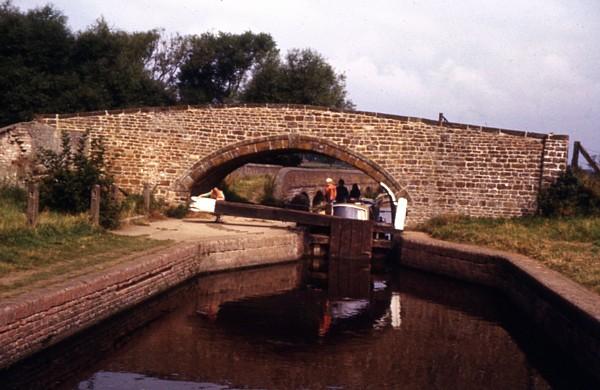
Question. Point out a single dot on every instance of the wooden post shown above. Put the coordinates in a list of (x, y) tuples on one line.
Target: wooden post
[(33, 203), (114, 193), (589, 159), (95, 205), (147, 198), (575, 159)]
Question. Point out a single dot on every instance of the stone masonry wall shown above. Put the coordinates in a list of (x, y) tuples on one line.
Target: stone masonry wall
[(294, 181), (290, 181), (452, 168), (11, 155), (255, 170), (18, 146)]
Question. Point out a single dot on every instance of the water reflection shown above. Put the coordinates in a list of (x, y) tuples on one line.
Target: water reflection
[(265, 328)]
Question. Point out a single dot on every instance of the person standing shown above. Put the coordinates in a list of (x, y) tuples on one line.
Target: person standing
[(215, 194), (330, 195), (330, 191), (341, 192), (355, 193)]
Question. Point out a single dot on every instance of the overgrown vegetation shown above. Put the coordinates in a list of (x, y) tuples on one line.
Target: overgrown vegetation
[(13, 202), (70, 176), (59, 245), (268, 195), (574, 193), (565, 237), (257, 189), (248, 189), (568, 245), (179, 211)]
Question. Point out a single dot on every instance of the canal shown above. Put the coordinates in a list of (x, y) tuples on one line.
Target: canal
[(272, 328)]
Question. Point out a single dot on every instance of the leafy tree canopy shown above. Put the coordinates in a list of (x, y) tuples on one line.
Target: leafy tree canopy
[(217, 66), (47, 68), (304, 77), (111, 67), (34, 64)]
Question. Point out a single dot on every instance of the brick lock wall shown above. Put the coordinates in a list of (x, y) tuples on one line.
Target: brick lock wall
[(441, 169), (35, 321), (559, 308)]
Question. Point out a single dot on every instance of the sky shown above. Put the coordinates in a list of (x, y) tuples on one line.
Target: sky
[(529, 65)]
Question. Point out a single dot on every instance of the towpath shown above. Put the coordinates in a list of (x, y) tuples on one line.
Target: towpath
[(197, 229)]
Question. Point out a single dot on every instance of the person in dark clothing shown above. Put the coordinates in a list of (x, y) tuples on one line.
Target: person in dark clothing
[(355, 192), (341, 192)]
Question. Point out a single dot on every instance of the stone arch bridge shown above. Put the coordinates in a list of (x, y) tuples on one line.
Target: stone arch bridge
[(440, 168)]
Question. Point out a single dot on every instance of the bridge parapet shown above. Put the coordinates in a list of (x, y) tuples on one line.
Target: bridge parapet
[(447, 168)]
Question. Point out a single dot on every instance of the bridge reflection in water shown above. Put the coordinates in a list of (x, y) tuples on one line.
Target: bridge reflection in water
[(266, 328)]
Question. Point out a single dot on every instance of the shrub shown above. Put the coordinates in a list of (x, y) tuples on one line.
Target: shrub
[(231, 194), (569, 196), (132, 205), (70, 176), (179, 211)]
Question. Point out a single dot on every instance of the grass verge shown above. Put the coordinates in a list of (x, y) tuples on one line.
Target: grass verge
[(570, 246), (60, 247)]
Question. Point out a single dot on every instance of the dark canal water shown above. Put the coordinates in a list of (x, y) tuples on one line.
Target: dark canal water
[(267, 329)]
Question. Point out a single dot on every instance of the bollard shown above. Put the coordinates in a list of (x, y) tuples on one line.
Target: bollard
[(33, 203), (147, 198), (95, 205)]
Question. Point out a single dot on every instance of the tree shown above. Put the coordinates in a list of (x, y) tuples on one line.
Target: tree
[(304, 78), (168, 55), (218, 66), (44, 67), (111, 66), (34, 62)]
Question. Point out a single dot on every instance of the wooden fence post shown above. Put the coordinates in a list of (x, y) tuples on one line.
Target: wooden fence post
[(95, 205), (575, 159), (114, 193), (33, 203), (593, 164), (147, 198)]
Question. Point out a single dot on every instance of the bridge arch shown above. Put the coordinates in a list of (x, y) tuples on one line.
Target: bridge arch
[(210, 170)]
